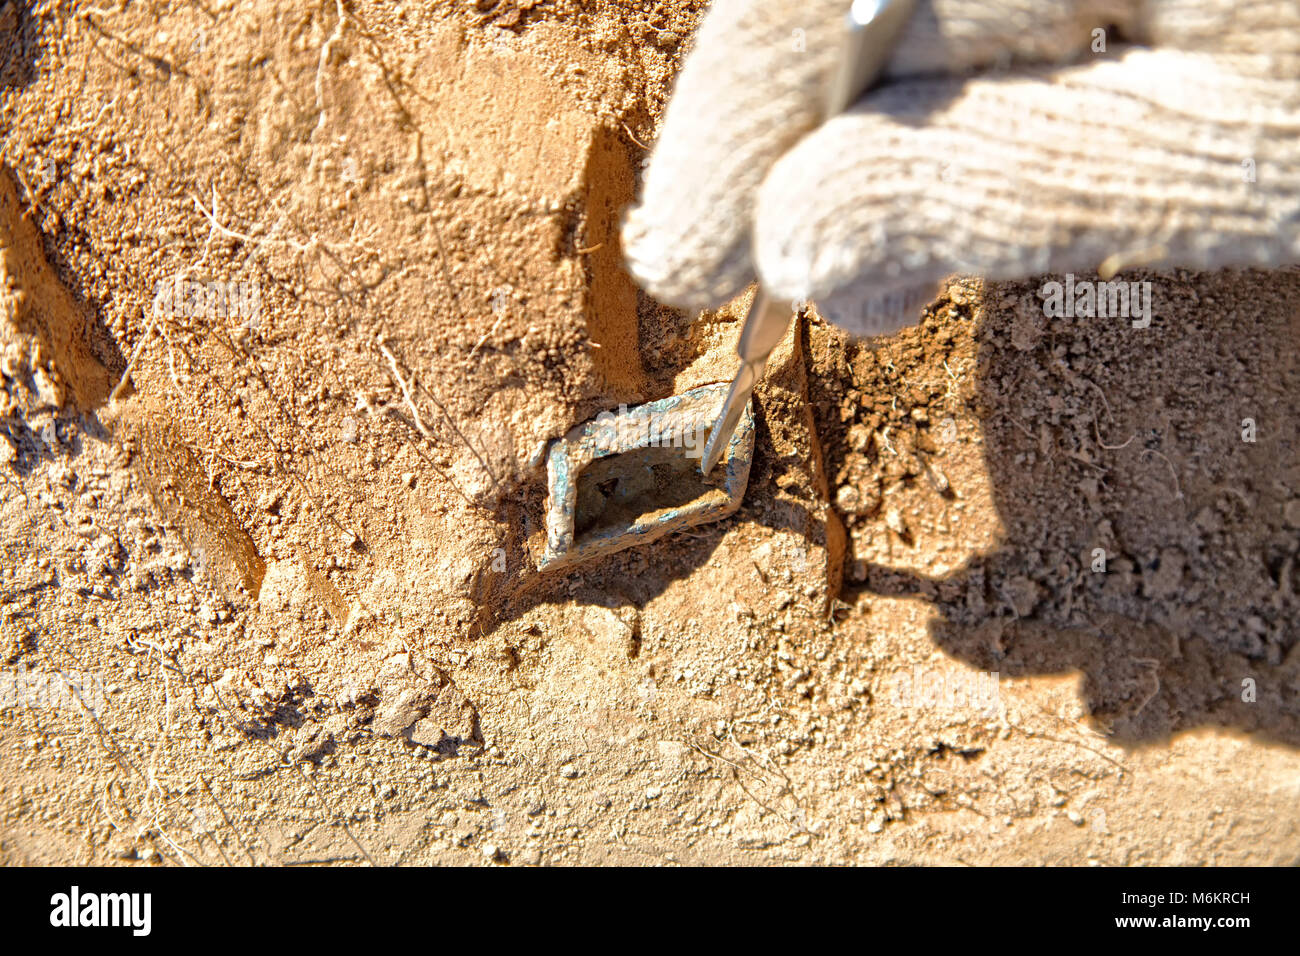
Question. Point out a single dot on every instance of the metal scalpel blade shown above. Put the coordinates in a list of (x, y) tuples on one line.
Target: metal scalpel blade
[(872, 28), (764, 327)]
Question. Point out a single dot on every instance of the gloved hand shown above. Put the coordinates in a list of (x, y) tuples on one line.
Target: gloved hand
[(999, 144)]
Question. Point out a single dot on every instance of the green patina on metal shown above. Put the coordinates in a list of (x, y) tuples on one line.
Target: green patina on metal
[(632, 476)]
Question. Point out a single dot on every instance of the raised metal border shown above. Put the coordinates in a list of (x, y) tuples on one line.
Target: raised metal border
[(600, 438)]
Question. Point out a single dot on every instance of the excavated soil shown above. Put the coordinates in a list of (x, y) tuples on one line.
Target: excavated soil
[(1003, 588)]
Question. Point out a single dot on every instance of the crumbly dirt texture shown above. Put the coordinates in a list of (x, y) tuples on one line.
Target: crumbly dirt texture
[(295, 546)]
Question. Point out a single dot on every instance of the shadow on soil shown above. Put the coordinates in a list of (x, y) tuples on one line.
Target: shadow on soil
[(1148, 485)]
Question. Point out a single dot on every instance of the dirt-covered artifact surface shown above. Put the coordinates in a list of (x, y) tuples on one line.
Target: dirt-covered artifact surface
[(1002, 588)]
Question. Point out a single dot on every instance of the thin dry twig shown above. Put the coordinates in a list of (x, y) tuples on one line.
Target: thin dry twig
[(130, 365), (447, 415), (325, 50), (418, 422), (632, 137), (1097, 434), (1178, 491), (488, 334), (406, 392)]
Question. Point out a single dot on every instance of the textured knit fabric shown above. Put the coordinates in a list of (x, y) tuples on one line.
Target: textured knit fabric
[(1001, 144)]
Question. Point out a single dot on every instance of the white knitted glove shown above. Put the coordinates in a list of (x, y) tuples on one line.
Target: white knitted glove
[(1177, 146)]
